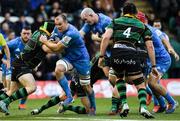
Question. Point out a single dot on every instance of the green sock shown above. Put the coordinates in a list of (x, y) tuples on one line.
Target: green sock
[(142, 97), (53, 101), (77, 109), (121, 86), (3, 96), (115, 103), (21, 93)]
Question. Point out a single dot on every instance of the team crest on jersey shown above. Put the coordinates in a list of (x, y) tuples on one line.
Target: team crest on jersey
[(67, 39)]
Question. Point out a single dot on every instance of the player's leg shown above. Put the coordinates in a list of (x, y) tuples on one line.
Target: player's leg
[(13, 87), (61, 67), (28, 82), (52, 102), (76, 90), (1, 83), (115, 101), (134, 73), (138, 80)]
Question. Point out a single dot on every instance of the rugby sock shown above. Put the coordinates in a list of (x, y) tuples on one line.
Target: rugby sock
[(169, 98), (148, 90), (21, 93), (161, 101), (121, 86), (77, 109), (3, 96), (155, 100), (53, 101), (23, 101), (115, 103), (64, 84), (92, 100), (142, 97)]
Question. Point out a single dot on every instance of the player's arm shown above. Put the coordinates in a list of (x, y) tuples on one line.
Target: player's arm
[(7, 53), (55, 47), (84, 30), (170, 48), (104, 44), (82, 33), (46, 49)]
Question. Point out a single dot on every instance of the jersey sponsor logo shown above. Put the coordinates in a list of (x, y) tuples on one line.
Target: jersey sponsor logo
[(123, 61), (66, 40), (123, 46), (158, 32)]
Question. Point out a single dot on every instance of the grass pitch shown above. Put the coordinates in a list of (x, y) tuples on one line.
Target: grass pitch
[(103, 107)]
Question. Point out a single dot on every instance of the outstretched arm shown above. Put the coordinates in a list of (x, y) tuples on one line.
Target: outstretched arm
[(170, 48)]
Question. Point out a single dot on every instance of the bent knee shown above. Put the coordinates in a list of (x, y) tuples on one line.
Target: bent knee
[(31, 89)]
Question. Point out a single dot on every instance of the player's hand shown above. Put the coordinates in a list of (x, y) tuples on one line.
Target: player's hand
[(101, 62), (43, 38), (96, 37), (7, 63), (155, 72), (176, 56)]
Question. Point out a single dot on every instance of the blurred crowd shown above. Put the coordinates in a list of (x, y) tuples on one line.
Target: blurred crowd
[(15, 14)]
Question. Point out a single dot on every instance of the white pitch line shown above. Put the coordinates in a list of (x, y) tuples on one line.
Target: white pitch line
[(89, 119)]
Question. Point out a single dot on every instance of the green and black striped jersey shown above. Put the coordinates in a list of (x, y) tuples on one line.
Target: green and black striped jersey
[(129, 28), (33, 53)]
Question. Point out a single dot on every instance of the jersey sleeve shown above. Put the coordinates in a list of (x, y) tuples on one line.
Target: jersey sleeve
[(85, 28), (147, 35), (2, 40), (12, 44), (159, 33), (110, 26), (67, 40), (54, 35)]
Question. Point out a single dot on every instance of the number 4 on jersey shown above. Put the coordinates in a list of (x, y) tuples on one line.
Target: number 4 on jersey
[(127, 32)]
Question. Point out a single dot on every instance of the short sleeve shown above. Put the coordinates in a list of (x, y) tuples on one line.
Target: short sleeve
[(2, 40), (86, 28)]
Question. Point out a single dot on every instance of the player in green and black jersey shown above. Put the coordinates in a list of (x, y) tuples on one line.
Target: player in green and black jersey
[(128, 33), (32, 55)]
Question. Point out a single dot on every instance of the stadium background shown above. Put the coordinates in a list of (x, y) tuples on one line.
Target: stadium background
[(14, 14)]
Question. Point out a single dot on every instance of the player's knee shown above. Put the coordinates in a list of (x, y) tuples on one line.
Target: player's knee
[(59, 73), (84, 80), (31, 89)]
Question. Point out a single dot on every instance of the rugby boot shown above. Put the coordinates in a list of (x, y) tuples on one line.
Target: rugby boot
[(145, 113), (125, 110), (171, 107)]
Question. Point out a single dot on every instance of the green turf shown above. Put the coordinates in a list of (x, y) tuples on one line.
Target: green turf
[(103, 106)]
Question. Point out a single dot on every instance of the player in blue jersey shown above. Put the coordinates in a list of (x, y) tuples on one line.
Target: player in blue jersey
[(163, 62), (16, 46), (74, 55), (165, 40), (96, 23)]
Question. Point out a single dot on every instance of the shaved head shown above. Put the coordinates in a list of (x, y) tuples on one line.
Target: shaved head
[(87, 11), (89, 16)]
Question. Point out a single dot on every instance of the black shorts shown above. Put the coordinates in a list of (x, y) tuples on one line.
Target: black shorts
[(96, 72), (125, 62), (77, 89), (18, 69)]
